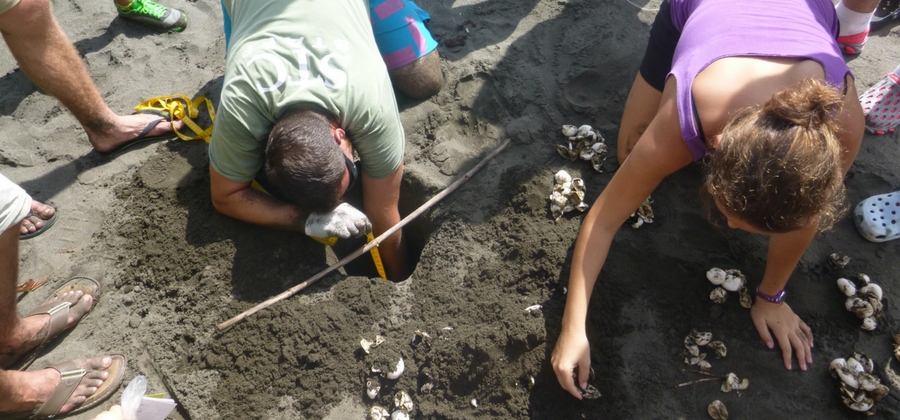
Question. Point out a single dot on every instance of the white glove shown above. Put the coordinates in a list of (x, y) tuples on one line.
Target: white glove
[(344, 222)]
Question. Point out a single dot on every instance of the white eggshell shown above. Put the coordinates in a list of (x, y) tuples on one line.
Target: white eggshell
[(847, 287), (872, 289), (732, 283), (716, 275), (398, 370)]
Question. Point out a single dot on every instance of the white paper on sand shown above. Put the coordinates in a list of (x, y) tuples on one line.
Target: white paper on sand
[(155, 408)]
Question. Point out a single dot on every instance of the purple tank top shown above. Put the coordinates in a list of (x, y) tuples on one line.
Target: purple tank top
[(715, 29)]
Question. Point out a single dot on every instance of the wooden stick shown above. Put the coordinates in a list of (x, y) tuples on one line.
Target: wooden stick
[(698, 381), (293, 290)]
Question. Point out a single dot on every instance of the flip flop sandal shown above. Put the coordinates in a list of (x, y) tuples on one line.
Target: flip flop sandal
[(47, 224), (143, 137), (59, 315), (881, 104), (878, 217), (71, 375)]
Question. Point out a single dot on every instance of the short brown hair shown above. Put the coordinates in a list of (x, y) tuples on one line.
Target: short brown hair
[(303, 161), (778, 165)]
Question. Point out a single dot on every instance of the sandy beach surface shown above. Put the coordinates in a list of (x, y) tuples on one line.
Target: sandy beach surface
[(142, 223)]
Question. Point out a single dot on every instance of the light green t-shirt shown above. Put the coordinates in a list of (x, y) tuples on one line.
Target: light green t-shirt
[(288, 54)]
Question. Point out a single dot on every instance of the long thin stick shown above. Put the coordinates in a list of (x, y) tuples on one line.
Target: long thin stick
[(293, 290)]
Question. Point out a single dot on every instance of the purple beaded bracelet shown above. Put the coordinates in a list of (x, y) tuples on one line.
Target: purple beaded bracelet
[(777, 298)]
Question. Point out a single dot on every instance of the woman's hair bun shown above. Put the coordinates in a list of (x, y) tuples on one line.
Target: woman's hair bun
[(809, 103)]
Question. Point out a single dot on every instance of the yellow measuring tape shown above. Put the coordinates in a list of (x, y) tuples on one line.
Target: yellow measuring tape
[(182, 108), (376, 257)]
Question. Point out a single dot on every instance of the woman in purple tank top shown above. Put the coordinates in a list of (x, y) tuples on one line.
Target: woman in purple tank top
[(760, 89)]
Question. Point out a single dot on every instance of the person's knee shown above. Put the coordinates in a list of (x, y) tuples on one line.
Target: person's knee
[(24, 16), (420, 79)]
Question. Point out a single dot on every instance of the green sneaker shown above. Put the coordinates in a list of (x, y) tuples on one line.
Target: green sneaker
[(154, 14)]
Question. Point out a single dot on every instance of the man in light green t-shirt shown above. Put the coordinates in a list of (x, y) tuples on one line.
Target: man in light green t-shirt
[(305, 86)]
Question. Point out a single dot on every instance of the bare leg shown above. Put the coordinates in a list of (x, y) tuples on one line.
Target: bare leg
[(640, 108), (18, 335), (24, 391), (420, 79), (45, 54)]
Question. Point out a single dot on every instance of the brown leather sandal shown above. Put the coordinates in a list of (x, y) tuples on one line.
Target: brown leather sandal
[(59, 315), (71, 374)]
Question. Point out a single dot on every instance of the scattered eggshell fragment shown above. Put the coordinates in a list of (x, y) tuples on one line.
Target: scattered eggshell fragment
[(863, 279), (399, 415), (398, 370), (732, 283), (718, 347), (532, 309), (717, 410), (718, 295), (872, 290), (372, 388), (847, 287), (378, 412), (474, 402), (869, 324), (701, 338), (746, 299), (590, 393), (402, 401), (716, 276)]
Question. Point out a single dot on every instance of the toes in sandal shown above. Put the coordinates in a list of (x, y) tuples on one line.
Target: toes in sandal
[(881, 104), (59, 315), (71, 375), (878, 217), (47, 224)]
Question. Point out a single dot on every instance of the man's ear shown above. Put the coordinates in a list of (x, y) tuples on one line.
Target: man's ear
[(339, 134)]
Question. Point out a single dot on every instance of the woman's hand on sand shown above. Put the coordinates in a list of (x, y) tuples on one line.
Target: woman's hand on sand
[(572, 351), (790, 331)]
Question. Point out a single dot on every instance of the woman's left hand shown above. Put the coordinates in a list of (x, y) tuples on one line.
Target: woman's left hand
[(790, 331)]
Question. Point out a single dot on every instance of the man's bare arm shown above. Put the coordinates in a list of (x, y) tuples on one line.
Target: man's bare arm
[(240, 201), (380, 200)]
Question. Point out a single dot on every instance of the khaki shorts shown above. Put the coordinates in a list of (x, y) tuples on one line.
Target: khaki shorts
[(5, 5), (15, 204)]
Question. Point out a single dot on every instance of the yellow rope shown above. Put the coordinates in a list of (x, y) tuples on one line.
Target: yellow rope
[(181, 108)]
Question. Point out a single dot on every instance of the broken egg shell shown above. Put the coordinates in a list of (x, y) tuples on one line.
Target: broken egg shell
[(854, 366), (746, 299), (532, 309), (569, 130), (584, 131), (847, 378), (399, 415), (704, 366), (847, 287), (372, 388), (718, 295), (693, 350), (873, 290), (837, 364), (731, 383), (879, 392), (717, 410), (866, 362), (378, 413), (716, 276), (869, 324), (590, 393), (398, 370), (863, 279), (578, 184), (701, 338), (862, 309), (868, 382), (597, 161), (402, 401), (838, 261), (562, 177), (732, 283), (863, 406), (582, 206), (474, 402), (718, 347)]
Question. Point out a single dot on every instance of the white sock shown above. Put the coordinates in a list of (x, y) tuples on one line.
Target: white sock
[(852, 23)]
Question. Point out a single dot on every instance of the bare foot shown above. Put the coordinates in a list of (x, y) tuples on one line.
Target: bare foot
[(41, 212), (29, 390), (126, 128), (33, 330)]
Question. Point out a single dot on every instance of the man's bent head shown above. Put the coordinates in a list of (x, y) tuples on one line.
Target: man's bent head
[(304, 162)]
